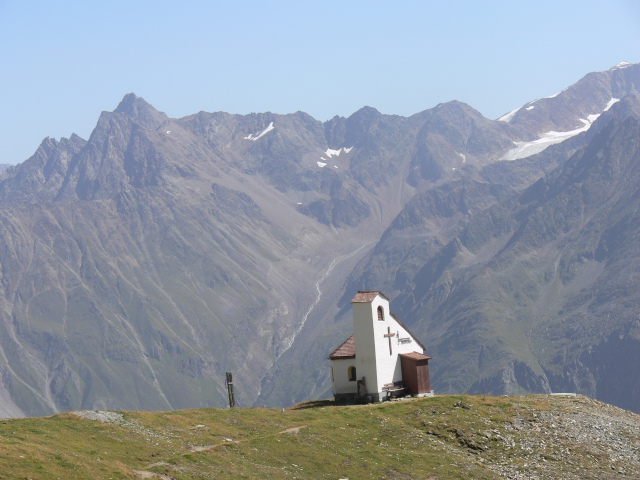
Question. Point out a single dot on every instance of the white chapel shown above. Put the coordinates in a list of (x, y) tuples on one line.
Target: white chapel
[(382, 358)]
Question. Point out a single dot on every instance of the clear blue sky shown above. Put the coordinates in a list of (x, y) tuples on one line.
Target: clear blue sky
[(63, 62)]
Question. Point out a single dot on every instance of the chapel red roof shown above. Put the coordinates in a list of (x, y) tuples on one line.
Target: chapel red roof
[(367, 296), (347, 349), (416, 356)]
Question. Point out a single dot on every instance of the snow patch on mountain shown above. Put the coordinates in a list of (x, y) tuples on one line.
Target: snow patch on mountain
[(610, 103), (530, 107), (621, 65), (331, 152), (507, 117), (264, 132), (526, 149)]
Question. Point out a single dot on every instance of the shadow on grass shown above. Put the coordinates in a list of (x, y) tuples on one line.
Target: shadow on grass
[(314, 404)]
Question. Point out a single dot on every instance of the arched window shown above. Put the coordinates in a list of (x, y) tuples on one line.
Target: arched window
[(380, 314), (352, 374)]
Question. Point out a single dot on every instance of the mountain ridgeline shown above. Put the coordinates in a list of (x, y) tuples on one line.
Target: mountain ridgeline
[(140, 265)]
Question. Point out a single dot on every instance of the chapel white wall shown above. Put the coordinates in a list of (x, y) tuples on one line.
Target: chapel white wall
[(369, 337), (340, 370), (365, 345)]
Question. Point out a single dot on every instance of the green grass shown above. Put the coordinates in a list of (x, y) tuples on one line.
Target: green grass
[(439, 437)]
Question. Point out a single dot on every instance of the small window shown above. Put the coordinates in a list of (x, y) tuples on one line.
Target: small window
[(352, 374), (380, 314)]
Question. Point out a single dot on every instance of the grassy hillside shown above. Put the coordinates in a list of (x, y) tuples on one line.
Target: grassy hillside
[(443, 437)]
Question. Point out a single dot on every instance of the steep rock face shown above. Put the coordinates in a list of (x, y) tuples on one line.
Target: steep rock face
[(40, 178), (119, 304)]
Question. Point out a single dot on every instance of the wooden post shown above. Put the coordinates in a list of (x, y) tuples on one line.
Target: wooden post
[(232, 398)]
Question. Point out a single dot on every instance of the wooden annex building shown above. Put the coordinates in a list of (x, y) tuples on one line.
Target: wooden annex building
[(382, 358)]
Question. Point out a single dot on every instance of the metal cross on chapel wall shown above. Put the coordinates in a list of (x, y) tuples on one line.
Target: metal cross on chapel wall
[(389, 335)]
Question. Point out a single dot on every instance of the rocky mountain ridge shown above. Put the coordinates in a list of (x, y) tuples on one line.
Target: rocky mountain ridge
[(141, 264)]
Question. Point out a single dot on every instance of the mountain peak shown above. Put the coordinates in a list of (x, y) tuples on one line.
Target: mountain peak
[(366, 112), (129, 103), (76, 138), (455, 107), (620, 66), (143, 112)]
